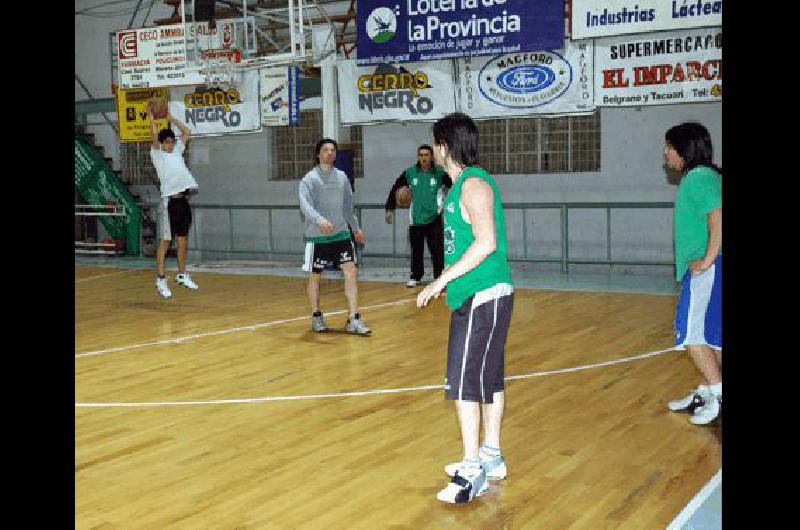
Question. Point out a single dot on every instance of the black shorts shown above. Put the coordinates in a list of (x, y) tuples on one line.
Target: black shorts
[(180, 215), (476, 349), (323, 255)]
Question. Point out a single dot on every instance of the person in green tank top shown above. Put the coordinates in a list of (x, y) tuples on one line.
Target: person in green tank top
[(480, 293), (428, 184), (698, 264)]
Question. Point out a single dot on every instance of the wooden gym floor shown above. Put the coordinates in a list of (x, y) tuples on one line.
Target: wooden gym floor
[(219, 408)]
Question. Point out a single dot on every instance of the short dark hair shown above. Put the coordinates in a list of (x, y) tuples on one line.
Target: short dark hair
[(459, 133), (425, 146), (163, 134), (692, 142), (323, 142)]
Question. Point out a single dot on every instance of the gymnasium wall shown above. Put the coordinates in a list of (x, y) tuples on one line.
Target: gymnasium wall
[(237, 170)]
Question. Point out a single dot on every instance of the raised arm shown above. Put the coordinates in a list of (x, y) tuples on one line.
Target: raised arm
[(154, 131), (185, 133)]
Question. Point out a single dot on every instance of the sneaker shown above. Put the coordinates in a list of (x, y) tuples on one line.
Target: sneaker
[(693, 401), (494, 466), (318, 323), (412, 283), (356, 325), (163, 288), (709, 412), (468, 482), (186, 281)]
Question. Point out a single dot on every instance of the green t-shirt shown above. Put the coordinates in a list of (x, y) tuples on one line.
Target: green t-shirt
[(699, 193), (458, 237), (424, 187), (344, 235)]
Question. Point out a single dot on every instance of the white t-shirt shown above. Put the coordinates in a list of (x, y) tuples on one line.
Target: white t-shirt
[(171, 170)]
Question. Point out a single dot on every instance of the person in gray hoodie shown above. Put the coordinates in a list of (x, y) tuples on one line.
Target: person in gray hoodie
[(326, 201)]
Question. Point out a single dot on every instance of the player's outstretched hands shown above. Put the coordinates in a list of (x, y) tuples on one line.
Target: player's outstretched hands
[(433, 290)]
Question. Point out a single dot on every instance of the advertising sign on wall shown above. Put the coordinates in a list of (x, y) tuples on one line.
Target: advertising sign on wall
[(541, 82), (153, 57), (133, 114), (410, 91), (279, 95), (218, 111), (392, 31), (601, 18), (659, 68)]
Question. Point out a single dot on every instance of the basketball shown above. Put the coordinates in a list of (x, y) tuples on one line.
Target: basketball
[(158, 107), (403, 197)]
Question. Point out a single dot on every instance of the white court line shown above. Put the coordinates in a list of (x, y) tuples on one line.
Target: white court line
[(357, 393), (230, 330), (696, 502), (105, 275)]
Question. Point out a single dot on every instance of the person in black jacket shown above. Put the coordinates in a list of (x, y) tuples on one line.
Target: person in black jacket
[(428, 185)]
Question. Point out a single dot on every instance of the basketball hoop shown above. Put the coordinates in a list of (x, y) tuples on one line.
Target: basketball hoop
[(218, 68)]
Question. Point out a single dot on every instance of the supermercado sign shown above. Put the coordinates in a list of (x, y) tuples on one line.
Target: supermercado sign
[(392, 31), (544, 82), (659, 68), (154, 57), (217, 111), (411, 91), (600, 18)]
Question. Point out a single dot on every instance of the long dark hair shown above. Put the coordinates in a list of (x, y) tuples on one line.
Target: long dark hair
[(693, 143), (460, 134)]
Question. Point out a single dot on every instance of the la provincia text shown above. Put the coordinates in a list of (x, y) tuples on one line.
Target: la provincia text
[(434, 28)]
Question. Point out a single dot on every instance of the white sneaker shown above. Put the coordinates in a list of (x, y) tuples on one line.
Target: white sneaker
[(709, 412), (468, 482), (163, 288), (693, 401), (186, 280), (495, 466), (356, 325), (412, 283)]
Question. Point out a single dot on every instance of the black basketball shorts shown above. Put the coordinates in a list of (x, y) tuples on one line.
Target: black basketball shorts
[(322, 255), (476, 349), (180, 215)]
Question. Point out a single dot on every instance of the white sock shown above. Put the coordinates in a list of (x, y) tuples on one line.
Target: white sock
[(716, 389), (703, 390), (488, 450)]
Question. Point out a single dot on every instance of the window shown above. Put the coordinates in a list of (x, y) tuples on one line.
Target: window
[(293, 147), (136, 167), (540, 145)]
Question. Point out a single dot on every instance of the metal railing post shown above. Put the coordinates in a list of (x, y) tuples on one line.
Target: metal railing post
[(230, 227), (564, 239), (608, 234)]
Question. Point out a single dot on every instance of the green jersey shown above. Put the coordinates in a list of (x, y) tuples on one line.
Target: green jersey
[(699, 193), (458, 237), (424, 187)]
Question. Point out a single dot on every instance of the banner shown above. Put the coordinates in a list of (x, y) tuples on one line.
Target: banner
[(659, 68), (542, 82), (154, 57), (393, 31), (279, 93), (601, 18), (134, 119), (218, 111), (407, 92)]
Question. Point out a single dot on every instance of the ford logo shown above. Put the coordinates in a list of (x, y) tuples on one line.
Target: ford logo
[(526, 79)]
